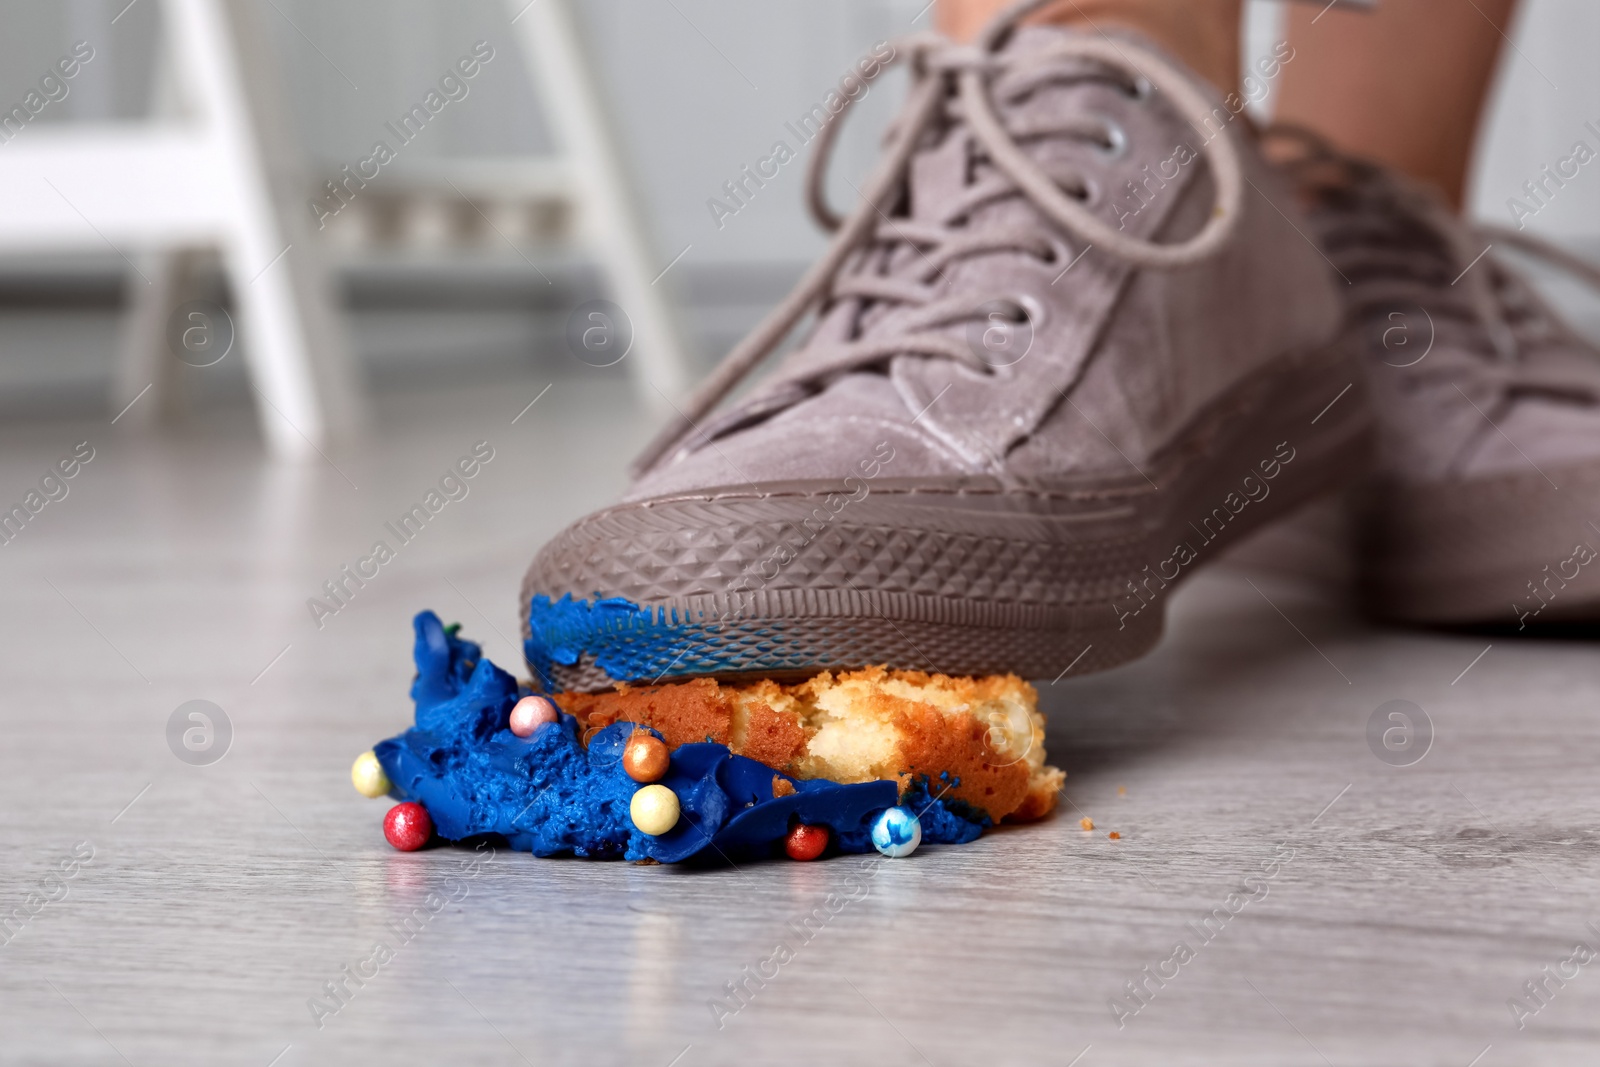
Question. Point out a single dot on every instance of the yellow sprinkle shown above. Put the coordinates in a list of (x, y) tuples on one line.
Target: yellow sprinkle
[(366, 773), (1086, 822), (654, 810)]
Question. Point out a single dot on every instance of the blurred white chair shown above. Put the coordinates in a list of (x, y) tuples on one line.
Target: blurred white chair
[(219, 174), (222, 171), (429, 205), (608, 215)]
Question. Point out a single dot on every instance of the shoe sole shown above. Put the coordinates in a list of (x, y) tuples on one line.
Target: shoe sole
[(960, 579), (1509, 551)]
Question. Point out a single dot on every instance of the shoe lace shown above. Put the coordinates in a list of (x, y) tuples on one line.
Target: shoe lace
[(881, 262), (1397, 242)]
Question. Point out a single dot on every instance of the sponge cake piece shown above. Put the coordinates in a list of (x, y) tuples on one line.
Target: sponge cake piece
[(986, 733)]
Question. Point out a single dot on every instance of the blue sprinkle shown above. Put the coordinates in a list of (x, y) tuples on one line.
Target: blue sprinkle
[(897, 832)]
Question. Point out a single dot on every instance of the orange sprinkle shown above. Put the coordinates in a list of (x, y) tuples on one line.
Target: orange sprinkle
[(1114, 836), (1086, 822), (1122, 790)]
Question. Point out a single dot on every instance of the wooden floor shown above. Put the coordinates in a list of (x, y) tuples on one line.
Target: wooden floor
[(1332, 909)]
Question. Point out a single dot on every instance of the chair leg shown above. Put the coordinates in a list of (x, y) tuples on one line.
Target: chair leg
[(548, 35), (291, 335), (145, 381), (300, 367)]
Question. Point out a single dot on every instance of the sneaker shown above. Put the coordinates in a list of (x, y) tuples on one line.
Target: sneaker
[(1482, 509), (1071, 344)]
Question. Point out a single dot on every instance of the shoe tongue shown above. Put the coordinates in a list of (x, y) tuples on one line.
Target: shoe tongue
[(940, 173), (1026, 41), (944, 170)]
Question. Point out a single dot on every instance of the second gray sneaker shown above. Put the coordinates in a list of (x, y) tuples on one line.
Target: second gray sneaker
[(1482, 508)]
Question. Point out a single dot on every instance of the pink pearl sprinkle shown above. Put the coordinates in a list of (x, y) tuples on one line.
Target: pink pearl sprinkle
[(530, 714)]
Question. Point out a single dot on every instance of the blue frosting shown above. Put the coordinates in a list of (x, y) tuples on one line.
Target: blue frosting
[(550, 795), (627, 641)]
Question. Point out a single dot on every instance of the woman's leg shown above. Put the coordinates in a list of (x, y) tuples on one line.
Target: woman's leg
[(1402, 84), (1202, 33)]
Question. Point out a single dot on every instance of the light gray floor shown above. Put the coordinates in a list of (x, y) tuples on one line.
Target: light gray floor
[(1407, 905)]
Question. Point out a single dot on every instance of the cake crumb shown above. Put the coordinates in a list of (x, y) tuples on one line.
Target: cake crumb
[(1086, 822), (1114, 836), (781, 786)]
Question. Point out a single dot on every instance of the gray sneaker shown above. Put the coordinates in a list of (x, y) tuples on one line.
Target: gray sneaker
[(1484, 504), (1070, 346)]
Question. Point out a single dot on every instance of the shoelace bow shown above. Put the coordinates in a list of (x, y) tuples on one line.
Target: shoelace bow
[(875, 259), (1399, 243)]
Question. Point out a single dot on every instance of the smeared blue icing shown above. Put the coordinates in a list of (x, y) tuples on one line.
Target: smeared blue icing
[(562, 630), (626, 640), (549, 795), (632, 643)]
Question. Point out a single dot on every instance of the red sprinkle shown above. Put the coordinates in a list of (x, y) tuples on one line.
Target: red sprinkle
[(806, 842), (407, 826)]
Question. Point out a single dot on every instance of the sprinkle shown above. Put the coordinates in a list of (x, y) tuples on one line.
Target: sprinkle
[(532, 713), (1122, 790), (1114, 836), (654, 810), (805, 842), (407, 826), (897, 832), (645, 757), (366, 774), (1086, 822)]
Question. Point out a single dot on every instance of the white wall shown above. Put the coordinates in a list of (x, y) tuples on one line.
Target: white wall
[(1548, 87)]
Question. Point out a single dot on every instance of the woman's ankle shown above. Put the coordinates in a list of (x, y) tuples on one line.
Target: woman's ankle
[(1204, 34)]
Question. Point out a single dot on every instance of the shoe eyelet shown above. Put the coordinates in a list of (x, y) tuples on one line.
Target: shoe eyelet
[(1141, 89), (1116, 142), (1031, 308), (1011, 309), (1089, 194), (1002, 334), (1055, 252)]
